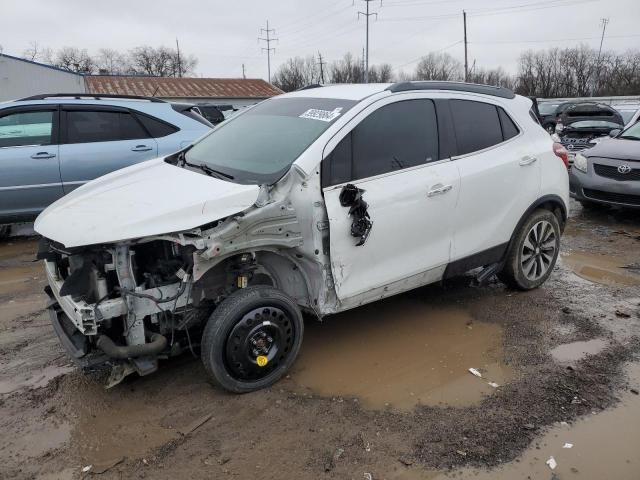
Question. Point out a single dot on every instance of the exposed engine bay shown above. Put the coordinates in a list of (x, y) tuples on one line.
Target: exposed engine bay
[(128, 306)]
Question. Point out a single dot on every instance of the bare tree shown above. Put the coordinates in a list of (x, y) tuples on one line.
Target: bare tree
[(438, 66), (75, 60), (111, 62), (347, 70), (296, 73), (161, 62), (382, 73), (497, 77), (37, 53)]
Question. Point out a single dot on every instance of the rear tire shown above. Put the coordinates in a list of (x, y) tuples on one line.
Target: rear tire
[(254, 322), (533, 252)]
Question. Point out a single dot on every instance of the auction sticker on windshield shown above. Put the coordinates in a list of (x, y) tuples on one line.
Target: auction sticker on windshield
[(322, 115)]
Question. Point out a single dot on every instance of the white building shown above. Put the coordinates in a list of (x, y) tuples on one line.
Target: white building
[(21, 78)]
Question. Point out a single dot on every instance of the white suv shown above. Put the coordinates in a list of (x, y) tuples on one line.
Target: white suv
[(320, 200)]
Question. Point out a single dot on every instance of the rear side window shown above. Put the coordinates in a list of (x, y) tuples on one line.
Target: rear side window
[(397, 136), (476, 124), (155, 127), (84, 126), (26, 128), (509, 129)]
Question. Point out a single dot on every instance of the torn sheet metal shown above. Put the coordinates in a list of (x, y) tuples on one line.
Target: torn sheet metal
[(351, 196)]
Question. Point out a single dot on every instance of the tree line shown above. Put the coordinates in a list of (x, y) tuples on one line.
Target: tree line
[(143, 60), (568, 72)]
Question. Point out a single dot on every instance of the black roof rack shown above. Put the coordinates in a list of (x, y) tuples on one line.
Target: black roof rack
[(95, 96), (309, 87), (455, 86)]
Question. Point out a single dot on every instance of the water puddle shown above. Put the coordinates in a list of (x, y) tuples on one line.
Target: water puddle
[(573, 352), (402, 352), (604, 269), (605, 445), (20, 375), (36, 440)]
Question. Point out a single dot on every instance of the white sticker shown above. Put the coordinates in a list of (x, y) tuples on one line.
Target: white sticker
[(322, 115)]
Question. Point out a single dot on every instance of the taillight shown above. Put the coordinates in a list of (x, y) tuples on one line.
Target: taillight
[(561, 152)]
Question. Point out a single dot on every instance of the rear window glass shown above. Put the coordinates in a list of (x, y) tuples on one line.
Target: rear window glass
[(156, 128), (509, 129), (84, 126), (476, 125)]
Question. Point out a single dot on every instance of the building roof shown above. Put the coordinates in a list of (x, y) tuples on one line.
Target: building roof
[(180, 87), (44, 65)]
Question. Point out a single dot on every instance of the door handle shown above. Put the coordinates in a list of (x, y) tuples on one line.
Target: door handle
[(141, 148), (527, 160), (439, 190), (42, 155)]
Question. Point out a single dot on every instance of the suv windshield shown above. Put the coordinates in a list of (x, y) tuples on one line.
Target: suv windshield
[(259, 146)]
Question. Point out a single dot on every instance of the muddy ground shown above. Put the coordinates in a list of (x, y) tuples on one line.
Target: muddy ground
[(379, 392)]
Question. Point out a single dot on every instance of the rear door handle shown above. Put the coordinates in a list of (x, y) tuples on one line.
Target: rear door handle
[(527, 160), (439, 190), (42, 155), (141, 148)]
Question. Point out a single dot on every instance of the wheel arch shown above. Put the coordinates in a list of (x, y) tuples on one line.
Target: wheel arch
[(552, 203), (274, 268)]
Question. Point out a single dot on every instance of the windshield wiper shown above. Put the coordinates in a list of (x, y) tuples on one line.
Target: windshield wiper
[(208, 170), (627, 137)]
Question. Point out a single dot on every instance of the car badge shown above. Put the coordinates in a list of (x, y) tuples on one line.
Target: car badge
[(624, 169)]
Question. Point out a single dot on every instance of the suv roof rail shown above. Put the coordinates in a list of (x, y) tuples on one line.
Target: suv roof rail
[(310, 86), (501, 92), (95, 96)]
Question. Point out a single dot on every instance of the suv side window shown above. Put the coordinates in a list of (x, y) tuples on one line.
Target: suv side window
[(155, 127), (26, 128), (476, 124), (509, 129), (86, 126), (396, 136)]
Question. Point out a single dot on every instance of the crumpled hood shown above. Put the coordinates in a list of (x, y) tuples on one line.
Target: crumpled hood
[(150, 198), (616, 148)]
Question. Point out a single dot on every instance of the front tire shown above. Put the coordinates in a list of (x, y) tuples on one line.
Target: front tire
[(533, 252), (251, 339)]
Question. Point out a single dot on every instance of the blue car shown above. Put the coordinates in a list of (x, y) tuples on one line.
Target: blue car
[(52, 144)]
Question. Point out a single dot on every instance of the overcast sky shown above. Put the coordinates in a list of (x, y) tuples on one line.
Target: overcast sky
[(223, 34)]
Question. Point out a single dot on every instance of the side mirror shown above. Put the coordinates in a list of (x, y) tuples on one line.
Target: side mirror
[(615, 132)]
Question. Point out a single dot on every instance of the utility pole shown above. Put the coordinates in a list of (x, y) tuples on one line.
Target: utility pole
[(466, 62), (267, 32), (604, 22), (179, 62), (367, 15), (243, 72), (322, 64)]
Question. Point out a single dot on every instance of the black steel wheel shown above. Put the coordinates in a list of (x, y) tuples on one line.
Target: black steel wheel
[(251, 339)]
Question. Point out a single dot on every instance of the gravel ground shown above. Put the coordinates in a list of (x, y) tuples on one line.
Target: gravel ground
[(173, 424)]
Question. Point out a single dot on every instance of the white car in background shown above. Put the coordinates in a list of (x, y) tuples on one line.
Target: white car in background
[(320, 200)]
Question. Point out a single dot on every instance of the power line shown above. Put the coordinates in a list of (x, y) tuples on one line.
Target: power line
[(367, 14), (466, 43), (267, 31)]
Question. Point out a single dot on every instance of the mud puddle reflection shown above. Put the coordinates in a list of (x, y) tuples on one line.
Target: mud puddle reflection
[(604, 446), (575, 351), (604, 269), (400, 353)]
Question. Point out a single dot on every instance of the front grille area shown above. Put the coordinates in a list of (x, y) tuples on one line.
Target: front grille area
[(610, 171), (612, 197)]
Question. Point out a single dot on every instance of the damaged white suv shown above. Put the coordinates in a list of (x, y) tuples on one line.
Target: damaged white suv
[(316, 201)]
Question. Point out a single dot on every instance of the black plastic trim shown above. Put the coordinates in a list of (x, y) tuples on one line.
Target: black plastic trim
[(83, 96), (480, 259), (452, 86)]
